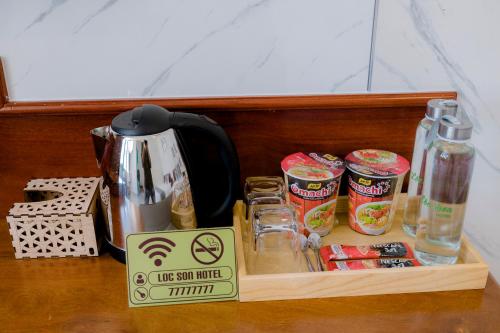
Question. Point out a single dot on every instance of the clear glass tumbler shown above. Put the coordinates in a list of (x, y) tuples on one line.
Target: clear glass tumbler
[(254, 204), (262, 190), (264, 186), (274, 246)]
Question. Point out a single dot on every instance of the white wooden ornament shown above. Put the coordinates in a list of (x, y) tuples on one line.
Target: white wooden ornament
[(57, 220)]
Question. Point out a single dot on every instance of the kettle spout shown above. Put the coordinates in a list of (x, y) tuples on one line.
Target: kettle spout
[(100, 137)]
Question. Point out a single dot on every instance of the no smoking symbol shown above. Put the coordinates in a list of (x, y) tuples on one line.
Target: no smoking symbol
[(207, 248)]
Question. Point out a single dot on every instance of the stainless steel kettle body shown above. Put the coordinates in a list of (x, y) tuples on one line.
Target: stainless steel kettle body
[(142, 173), (139, 173)]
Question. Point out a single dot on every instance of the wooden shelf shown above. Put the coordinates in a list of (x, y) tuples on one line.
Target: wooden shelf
[(471, 272)]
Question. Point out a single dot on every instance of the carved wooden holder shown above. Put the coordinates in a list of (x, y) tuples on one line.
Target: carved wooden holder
[(58, 219)]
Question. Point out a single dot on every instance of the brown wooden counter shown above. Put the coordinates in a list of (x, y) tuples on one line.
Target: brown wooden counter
[(90, 295)]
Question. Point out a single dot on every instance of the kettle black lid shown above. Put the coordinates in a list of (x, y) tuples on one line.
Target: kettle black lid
[(143, 120)]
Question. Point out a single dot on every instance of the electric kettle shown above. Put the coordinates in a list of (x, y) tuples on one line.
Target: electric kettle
[(163, 169)]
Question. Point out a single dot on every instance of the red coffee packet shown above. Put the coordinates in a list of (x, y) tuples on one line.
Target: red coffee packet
[(374, 251), (351, 265)]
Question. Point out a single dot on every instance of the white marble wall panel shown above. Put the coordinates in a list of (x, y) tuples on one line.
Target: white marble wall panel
[(75, 49), (452, 45)]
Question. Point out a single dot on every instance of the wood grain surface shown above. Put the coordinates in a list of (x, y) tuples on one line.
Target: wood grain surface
[(90, 295)]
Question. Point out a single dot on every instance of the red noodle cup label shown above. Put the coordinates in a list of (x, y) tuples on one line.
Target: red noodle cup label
[(370, 201), (372, 182), (313, 182)]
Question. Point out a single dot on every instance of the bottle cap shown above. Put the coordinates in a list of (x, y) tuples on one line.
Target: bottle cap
[(437, 108), (452, 128)]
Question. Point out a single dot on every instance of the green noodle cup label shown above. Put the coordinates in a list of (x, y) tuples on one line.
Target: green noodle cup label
[(374, 178), (313, 182)]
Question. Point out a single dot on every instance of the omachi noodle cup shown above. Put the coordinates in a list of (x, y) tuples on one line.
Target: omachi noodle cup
[(313, 182), (375, 178)]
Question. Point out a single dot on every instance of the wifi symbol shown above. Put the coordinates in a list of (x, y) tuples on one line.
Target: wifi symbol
[(159, 247)]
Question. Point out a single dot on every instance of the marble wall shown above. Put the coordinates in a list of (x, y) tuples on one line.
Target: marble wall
[(128, 48), (70, 49), (451, 45)]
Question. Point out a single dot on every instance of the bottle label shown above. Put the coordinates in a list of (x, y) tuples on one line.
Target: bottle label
[(415, 177), (440, 210), (440, 227)]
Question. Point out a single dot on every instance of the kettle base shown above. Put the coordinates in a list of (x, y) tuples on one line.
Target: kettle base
[(117, 253)]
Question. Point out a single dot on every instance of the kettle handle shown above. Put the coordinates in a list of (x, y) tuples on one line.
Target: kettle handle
[(188, 126)]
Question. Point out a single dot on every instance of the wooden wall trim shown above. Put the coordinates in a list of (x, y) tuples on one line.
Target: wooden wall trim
[(4, 93), (213, 104)]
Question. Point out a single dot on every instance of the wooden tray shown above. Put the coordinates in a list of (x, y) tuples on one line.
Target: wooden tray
[(471, 272)]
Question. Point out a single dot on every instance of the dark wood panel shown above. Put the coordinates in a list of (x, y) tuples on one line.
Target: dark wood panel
[(263, 138), (57, 144), (41, 146)]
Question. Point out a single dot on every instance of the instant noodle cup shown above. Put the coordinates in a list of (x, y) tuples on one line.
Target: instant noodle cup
[(374, 178), (313, 182)]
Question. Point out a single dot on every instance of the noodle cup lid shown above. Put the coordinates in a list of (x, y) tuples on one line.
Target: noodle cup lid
[(377, 163), (313, 166)]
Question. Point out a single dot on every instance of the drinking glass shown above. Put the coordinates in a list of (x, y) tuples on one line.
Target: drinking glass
[(255, 203), (274, 246), (264, 186)]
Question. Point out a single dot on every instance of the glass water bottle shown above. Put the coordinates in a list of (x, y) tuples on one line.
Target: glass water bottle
[(426, 133), (448, 172)]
